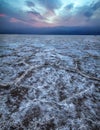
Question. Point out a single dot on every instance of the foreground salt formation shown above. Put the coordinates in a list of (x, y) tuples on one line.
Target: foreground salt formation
[(49, 82)]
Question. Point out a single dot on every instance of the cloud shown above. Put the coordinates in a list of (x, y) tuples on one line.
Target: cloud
[(14, 20), (11, 12), (88, 13), (4, 8), (50, 4), (49, 13), (30, 4), (2, 15), (35, 15), (96, 6), (69, 6)]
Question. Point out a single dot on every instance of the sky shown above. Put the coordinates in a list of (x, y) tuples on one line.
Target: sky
[(50, 16)]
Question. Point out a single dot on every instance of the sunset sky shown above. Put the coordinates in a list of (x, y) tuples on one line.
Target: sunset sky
[(30, 16)]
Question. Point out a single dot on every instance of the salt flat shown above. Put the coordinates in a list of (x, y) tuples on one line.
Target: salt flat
[(49, 82)]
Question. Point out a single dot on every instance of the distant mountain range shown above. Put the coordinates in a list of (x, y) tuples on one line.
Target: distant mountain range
[(52, 30)]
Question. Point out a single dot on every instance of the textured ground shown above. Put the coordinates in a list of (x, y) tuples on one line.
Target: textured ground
[(49, 82)]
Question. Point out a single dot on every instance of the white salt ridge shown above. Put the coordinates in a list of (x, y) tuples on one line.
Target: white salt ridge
[(45, 83)]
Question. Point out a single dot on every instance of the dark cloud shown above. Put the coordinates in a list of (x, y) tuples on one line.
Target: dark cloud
[(88, 13), (30, 4), (5, 8), (35, 14), (50, 4), (96, 6), (8, 26), (3, 20), (85, 11), (70, 6), (10, 11)]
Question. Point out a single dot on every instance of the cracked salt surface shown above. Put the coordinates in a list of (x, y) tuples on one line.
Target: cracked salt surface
[(49, 82)]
